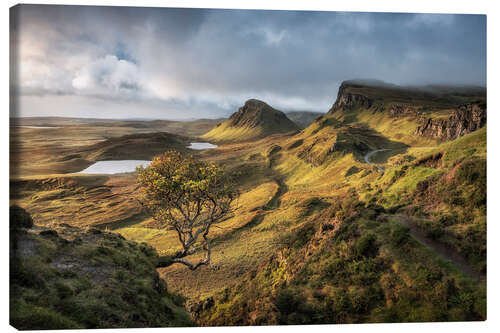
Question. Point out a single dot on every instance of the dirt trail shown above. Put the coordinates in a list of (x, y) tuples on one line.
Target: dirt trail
[(369, 154), (443, 250), (275, 202)]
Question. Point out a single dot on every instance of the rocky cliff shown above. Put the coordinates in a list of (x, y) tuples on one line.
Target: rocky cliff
[(347, 100), (465, 119)]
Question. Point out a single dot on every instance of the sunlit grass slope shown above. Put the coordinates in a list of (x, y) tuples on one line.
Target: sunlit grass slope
[(227, 133)]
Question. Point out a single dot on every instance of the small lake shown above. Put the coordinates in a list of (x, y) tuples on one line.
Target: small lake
[(112, 167), (201, 145)]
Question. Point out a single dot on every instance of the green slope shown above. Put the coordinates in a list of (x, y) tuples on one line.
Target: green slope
[(355, 260), (87, 279)]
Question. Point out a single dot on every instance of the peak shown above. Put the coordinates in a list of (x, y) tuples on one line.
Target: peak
[(254, 101), (257, 119), (255, 105), (254, 112)]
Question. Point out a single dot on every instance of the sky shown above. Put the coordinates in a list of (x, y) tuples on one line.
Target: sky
[(174, 63)]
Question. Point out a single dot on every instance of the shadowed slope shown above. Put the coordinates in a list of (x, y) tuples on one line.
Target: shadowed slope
[(68, 278)]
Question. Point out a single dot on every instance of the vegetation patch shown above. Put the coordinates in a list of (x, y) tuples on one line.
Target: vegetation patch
[(76, 279)]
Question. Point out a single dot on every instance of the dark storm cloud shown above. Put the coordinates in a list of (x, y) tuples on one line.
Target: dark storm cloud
[(210, 61)]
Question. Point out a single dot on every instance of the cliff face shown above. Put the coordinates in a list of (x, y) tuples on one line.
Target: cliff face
[(465, 119), (347, 100), (403, 110)]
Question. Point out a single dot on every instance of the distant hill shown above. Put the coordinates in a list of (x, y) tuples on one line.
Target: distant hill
[(183, 127), (254, 120), (303, 118), (133, 146)]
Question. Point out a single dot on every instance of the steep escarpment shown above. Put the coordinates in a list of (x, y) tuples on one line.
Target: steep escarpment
[(255, 119), (69, 278), (381, 96), (412, 115), (348, 98), (465, 119)]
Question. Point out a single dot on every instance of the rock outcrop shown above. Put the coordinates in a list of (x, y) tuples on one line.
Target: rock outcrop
[(347, 100), (398, 110), (465, 119)]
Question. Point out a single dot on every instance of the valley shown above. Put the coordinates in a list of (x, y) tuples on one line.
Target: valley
[(372, 212)]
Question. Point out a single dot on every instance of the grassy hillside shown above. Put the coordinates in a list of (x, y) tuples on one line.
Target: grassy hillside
[(359, 259), (349, 265), (134, 146), (79, 200), (72, 278), (253, 120)]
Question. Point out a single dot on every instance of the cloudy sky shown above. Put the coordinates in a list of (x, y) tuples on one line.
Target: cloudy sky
[(169, 63)]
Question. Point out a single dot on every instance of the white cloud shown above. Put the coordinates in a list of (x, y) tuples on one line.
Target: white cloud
[(108, 77)]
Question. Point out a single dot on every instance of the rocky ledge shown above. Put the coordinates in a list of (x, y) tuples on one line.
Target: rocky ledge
[(347, 100), (465, 119)]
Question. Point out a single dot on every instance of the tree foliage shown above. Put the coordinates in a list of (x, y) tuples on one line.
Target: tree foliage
[(188, 196)]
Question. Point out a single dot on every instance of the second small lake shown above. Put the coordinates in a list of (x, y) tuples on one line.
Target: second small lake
[(201, 145), (112, 167)]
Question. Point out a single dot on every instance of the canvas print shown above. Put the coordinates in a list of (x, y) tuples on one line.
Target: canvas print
[(218, 167)]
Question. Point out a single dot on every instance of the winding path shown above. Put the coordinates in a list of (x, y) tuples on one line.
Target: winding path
[(275, 201), (443, 250), (369, 154)]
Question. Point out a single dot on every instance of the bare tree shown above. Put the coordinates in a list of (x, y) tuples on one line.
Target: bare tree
[(186, 196)]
